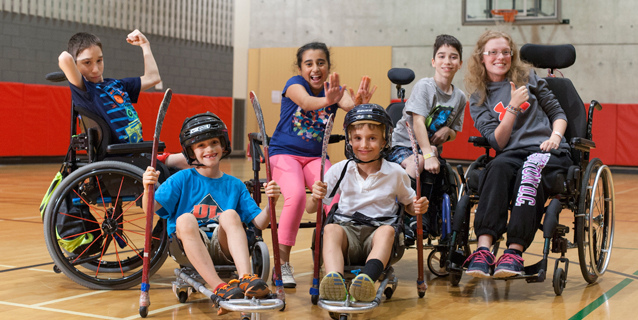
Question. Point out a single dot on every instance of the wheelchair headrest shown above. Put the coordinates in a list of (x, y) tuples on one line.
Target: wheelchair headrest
[(549, 56), (401, 76)]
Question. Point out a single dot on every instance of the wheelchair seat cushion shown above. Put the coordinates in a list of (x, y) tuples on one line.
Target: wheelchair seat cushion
[(176, 249)]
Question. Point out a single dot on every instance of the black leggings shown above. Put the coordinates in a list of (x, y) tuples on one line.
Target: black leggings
[(523, 178)]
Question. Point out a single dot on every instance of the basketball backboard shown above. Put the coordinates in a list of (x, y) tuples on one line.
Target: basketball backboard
[(480, 12)]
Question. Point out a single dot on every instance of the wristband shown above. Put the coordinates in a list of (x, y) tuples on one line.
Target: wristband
[(512, 110), (428, 155), (558, 134)]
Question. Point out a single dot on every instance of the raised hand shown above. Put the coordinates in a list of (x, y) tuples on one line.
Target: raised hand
[(136, 38), (519, 96), (364, 94), (332, 90)]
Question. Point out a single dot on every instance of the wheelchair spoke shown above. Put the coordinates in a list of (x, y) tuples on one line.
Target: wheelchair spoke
[(76, 217), (129, 205), (101, 257), (87, 248), (117, 257), (119, 190), (88, 205), (99, 186), (81, 233), (139, 233)]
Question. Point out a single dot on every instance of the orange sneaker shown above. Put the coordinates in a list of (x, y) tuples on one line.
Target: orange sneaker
[(253, 286)]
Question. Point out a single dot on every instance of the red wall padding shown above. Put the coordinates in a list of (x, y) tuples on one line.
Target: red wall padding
[(614, 132), (35, 119)]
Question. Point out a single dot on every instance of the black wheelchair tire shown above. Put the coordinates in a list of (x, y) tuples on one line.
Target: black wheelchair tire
[(594, 261), (560, 278), (261, 260), (435, 259), (59, 255)]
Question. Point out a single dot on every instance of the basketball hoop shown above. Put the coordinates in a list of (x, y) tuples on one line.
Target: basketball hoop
[(509, 15)]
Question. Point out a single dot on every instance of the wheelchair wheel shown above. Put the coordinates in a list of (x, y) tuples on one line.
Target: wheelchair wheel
[(595, 220), (261, 260), (436, 263), (560, 278), (94, 229)]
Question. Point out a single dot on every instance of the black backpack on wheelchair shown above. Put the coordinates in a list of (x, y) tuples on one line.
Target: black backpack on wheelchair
[(94, 224)]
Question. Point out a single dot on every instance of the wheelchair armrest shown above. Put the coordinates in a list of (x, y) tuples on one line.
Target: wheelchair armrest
[(479, 142), (582, 144), (140, 147)]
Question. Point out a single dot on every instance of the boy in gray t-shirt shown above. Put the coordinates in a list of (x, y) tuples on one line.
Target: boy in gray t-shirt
[(435, 113)]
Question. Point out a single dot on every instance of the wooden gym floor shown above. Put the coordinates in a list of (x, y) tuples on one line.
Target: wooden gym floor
[(31, 289)]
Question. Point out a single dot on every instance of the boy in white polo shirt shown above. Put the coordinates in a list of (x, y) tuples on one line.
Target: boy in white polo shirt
[(370, 189)]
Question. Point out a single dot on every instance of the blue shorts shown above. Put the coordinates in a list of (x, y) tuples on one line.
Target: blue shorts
[(399, 153)]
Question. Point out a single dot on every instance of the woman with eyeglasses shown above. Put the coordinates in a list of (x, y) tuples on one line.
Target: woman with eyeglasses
[(516, 112)]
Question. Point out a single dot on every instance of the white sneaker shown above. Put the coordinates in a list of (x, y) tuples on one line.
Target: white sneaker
[(286, 275)]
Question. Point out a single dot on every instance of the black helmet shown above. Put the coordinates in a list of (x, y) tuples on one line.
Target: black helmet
[(202, 127), (368, 112)]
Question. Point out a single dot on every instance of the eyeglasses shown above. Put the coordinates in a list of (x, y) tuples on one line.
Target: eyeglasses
[(494, 53)]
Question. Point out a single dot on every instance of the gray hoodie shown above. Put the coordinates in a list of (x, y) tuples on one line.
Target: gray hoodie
[(533, 125)]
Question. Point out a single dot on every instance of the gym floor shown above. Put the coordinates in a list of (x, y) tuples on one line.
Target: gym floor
[(31, 289)]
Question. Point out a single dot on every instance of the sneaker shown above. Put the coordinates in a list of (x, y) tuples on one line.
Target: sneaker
[(230, 290), (253, 286), (286, 276), (479, 263), (362, 288), (508, 265), (332, 287)]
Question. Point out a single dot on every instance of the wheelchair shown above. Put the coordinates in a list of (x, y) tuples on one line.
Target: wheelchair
[(388, 281), (443, 197), (259, 255), (94, 224), (586, 188)]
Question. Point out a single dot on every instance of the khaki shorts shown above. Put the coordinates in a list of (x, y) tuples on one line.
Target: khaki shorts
[(215, 249), (359, 242)]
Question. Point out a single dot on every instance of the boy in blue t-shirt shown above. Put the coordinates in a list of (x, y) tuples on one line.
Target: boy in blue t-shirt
[(111, 99), (206, 208)]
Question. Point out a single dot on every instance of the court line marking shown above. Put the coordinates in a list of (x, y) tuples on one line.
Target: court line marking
[(584, 312), (293, 252), (75, 313), (151, 312), (625, 191), (70, 298)]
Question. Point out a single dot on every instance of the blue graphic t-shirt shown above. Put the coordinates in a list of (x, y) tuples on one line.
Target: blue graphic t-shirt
[(300, 132), (188, 192), (112, 100)]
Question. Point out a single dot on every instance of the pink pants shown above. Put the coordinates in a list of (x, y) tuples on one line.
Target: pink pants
[(294, 174)]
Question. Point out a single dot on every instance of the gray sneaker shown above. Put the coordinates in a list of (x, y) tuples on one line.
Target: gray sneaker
[(286, 275)]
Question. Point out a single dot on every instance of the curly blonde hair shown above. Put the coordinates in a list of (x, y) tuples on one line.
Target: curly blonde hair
[(476, 78)]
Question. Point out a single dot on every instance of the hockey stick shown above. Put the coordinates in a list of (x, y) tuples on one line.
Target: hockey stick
[(420, 284), (314, 289), (271, 202), (145, 300)]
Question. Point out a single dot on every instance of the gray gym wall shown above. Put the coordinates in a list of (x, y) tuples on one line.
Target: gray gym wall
[(603, 32), (30, 47)]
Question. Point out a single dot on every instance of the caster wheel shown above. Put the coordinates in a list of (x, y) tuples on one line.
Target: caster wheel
[(56, 269), (421, 294), (143, 312), (455, 278), (388, 292), (343, 317), (284, 307), (183, 296), (560, 278), (314, 299)]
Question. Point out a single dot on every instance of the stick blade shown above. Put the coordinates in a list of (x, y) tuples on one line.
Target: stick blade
[(168, 95), (260, 118)]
